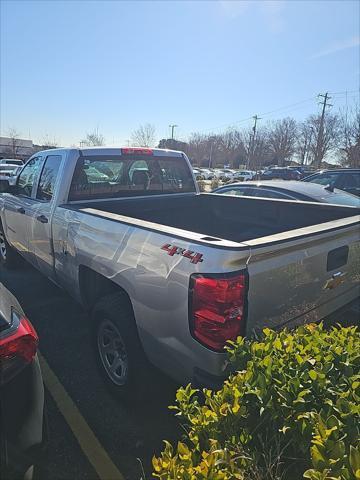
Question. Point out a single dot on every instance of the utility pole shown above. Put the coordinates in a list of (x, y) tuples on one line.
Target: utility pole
[(306, 159), (252, 141), (320, 137), (172, 130)]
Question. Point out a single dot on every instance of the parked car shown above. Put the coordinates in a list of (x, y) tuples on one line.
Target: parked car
[(227, 174), (244, 175), (168, 274), (10, 166), (304, 170), (21, 389), (347, 179), (207, 174), (290, 190), (218, 173), (11, 161), (198, 174), (280, 173), (7, 170)]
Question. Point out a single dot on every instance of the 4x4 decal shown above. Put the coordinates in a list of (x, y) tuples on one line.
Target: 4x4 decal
[(172, 250)]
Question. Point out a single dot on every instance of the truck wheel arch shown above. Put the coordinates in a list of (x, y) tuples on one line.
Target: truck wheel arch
[(93, 286)]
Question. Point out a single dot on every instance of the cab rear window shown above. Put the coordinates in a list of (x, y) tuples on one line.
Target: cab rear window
[(104, 176)]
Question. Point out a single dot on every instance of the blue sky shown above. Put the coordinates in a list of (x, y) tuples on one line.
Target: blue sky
[(68, 67)]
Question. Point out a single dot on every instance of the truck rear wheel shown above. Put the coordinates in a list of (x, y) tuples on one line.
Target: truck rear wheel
[(8, 257), (119, 353)]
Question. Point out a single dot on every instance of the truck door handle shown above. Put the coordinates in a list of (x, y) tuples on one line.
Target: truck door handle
[(21, 210), (42, 219)]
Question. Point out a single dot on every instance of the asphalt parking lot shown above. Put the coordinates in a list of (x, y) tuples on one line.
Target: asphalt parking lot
[(118, 439)]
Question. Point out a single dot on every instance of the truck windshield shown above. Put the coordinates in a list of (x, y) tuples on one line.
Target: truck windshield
[(106, 176)]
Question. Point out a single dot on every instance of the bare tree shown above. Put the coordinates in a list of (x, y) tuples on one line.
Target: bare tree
[(282, 139), (257, 148), (198, 149), (225, 148), (232, 148), (329, 138), (306, 143), (48, 142), (349, 144), (144, 136), (14, 136), (94, 139)]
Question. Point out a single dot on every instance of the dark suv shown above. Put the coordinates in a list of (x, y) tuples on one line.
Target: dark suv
[(347, 179), (281, 173)]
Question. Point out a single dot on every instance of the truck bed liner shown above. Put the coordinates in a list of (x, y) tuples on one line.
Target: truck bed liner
[(231, 218)]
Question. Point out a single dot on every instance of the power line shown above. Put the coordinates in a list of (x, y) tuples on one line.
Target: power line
[(345, 92), (289, 106), (299, 104), (262, 114)]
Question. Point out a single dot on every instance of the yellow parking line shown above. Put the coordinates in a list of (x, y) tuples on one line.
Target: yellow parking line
[(90, 445)]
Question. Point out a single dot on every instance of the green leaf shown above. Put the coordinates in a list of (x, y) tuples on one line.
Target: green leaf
[(318, 459), (354, 459), (299, 386)]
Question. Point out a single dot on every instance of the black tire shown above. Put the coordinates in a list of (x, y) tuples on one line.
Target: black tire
[(113, 318), (8, 257)]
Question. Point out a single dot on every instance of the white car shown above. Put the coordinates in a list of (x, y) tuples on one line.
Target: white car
[(11, 161), (198, 174), (207, 173), (227, 174), (217, 173), (8, 170), (244, 175)]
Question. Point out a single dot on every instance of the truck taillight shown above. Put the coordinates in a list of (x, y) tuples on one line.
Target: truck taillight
[(18, 348), (217, 308)]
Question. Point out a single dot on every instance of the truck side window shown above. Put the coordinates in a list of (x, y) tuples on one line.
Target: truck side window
[(48, 178), (27, 176)]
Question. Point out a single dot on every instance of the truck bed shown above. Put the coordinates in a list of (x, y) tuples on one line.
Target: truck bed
[(237, 219)]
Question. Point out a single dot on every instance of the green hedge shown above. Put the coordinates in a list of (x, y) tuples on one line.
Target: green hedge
[(291, 410)]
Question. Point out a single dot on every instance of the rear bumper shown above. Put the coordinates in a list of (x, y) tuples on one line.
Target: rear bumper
[(345, 316)]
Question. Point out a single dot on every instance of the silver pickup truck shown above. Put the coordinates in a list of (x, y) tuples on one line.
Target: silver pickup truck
[(170, 274)]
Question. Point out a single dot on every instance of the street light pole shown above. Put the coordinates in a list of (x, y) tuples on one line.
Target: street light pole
[(172, 130)]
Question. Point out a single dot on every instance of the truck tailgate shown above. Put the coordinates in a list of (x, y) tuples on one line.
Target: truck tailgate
[(305, 277)]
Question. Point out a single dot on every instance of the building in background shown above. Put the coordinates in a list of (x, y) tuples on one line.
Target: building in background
[(12, 147)]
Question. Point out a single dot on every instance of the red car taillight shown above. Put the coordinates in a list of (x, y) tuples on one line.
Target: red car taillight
[(217, 308), (18, 348)]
